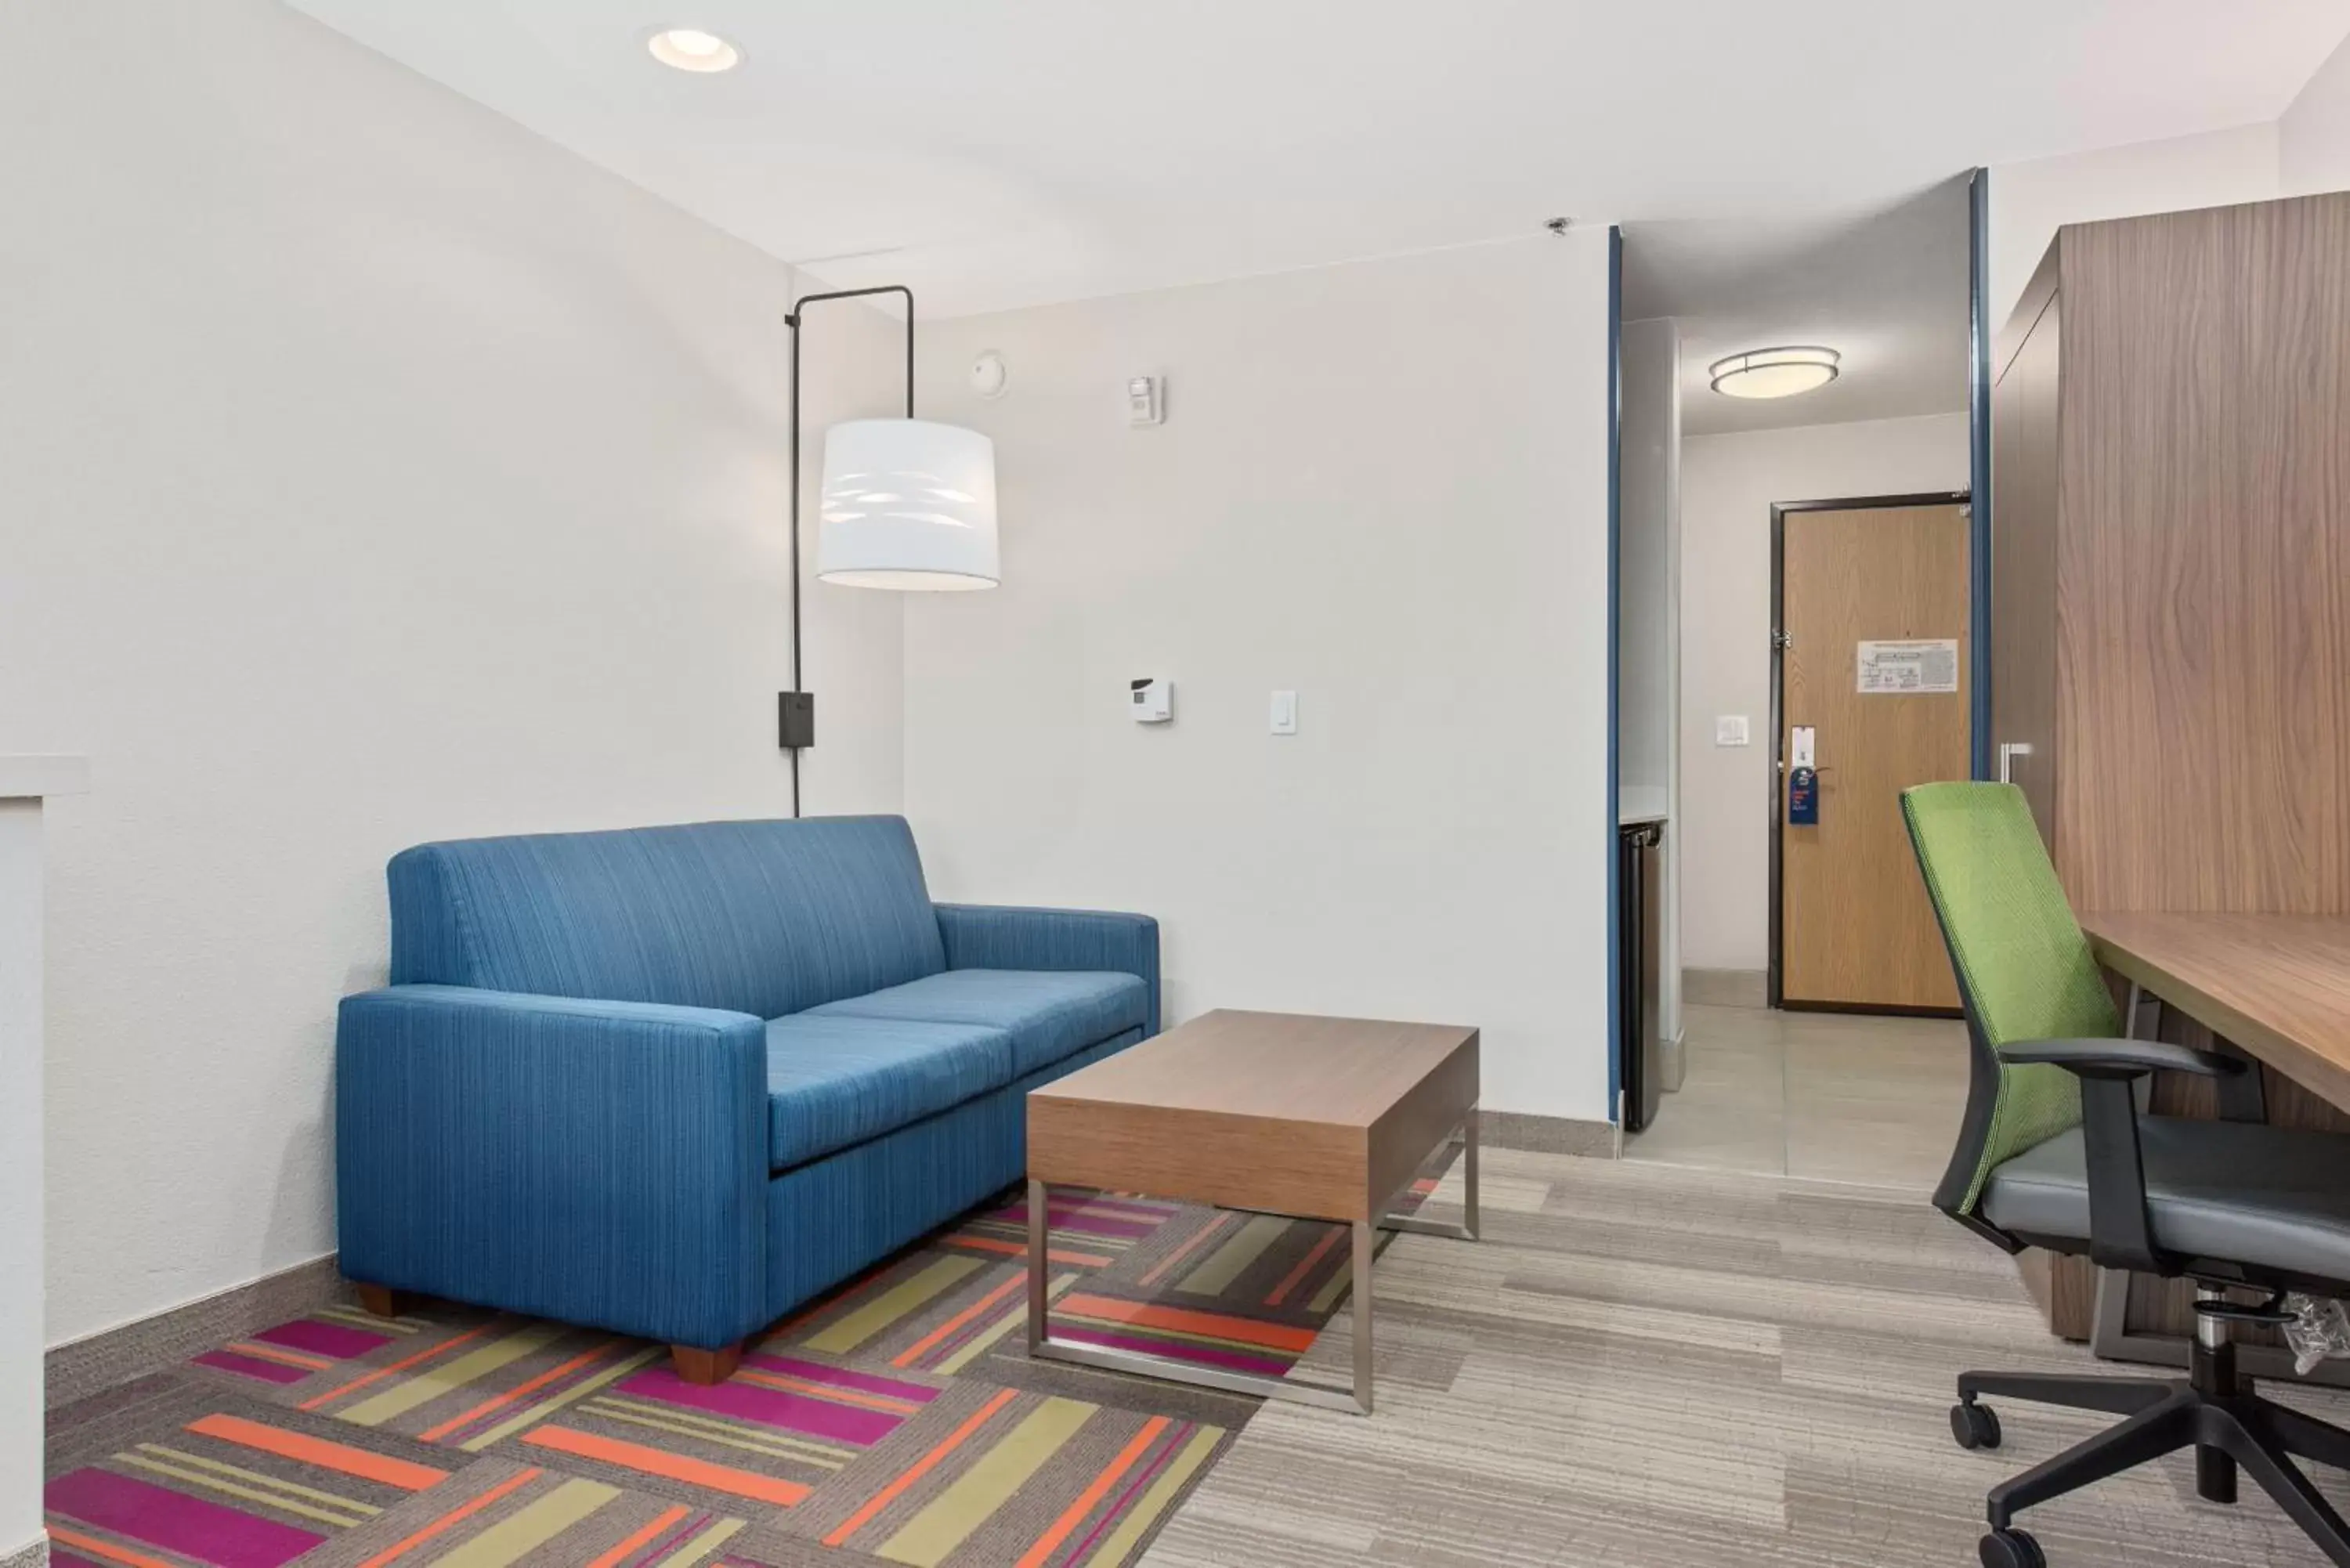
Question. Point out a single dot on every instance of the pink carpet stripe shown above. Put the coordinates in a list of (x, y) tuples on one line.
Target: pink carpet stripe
[(251, 1367), (768, 1407), (325, 1339), (1182, 1350), (188, 1526), (1138, 1207), (1084, 1221), (841, 1377)]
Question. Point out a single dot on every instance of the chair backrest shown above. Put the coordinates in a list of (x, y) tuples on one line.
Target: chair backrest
[(2024, 969), (765, 917)]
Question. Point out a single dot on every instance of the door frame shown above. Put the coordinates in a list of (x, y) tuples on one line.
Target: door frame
[(1775, 996)]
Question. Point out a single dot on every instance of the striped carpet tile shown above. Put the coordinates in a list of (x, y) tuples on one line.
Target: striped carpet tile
[(897, 1418)]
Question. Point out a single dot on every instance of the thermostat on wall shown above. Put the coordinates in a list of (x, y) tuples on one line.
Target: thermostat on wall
[(1151, 702)]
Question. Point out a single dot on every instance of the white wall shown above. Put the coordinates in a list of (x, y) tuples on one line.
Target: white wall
[(1729, 483), (1382, 485), (2030, 200), (20, 1159), (2314, 137), (376, 472)]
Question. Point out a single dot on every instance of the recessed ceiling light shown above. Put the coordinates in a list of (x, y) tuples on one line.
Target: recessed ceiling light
[(692, 49), (1775, 372)]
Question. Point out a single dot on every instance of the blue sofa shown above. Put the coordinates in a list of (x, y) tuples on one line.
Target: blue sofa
[(675, 1081)]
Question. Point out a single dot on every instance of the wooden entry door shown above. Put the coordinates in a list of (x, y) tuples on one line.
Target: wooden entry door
[(1855, 928)]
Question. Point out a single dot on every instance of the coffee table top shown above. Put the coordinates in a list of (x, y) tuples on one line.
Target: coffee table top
[(1293, 1066), (1291, 1114)]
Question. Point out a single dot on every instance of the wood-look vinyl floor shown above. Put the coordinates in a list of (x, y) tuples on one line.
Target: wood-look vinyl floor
[(1670, 1367)]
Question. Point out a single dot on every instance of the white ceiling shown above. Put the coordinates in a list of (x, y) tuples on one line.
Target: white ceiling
[(994, 153), (1887, 290)]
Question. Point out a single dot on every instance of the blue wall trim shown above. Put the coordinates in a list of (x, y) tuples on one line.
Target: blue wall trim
[(1615, 610), (1979, 432)]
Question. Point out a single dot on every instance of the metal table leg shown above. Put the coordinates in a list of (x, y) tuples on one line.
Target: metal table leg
[(1043, 1346), (1466, 1230)]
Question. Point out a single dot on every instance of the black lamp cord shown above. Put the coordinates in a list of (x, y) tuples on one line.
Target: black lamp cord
[(792, 320)]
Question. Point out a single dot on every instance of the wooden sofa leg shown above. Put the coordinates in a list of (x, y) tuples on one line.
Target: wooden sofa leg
[(382, 1301), (706, 1366)]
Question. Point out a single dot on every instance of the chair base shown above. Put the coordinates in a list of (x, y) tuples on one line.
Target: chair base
[(2229, 1426)]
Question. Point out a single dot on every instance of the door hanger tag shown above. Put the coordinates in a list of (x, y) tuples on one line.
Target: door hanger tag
[(1803, 779)]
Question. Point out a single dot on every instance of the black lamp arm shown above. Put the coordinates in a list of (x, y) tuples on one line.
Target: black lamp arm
[(792, 320)]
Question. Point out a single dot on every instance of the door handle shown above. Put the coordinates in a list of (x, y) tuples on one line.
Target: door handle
[(2008, 751)]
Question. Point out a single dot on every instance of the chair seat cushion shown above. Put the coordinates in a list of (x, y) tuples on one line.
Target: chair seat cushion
[(2268, 1198), (1049, 1013), (835, 1081)]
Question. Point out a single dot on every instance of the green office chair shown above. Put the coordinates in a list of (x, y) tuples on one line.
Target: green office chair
[(2054, 1154)]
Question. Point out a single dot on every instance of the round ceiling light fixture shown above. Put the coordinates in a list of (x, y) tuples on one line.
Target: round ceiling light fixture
[(692, 49), (1775, 372)]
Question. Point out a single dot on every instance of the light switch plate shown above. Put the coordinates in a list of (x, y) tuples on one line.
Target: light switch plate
[(1284, 713), (1730, 729)]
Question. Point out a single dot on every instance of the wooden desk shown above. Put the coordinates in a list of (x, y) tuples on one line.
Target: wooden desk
[(2276, 985)]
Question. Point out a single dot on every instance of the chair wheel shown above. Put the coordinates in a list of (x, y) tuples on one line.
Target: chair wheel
[(2011, 1549), (1975, 1426)]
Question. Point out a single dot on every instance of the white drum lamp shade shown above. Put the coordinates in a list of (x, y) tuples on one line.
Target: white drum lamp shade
[(907, 504)]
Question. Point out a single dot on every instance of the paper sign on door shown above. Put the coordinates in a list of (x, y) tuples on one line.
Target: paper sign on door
[(1921, 665)]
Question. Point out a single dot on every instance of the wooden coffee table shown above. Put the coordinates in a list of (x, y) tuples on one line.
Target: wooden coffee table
[(1319, 1119)]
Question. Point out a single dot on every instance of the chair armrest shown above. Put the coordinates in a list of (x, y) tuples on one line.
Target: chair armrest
[(2120, 1058), (597, 1162), (994, 936)]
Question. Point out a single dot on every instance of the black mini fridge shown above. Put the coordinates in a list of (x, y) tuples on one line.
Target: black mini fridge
[(1640, 897)]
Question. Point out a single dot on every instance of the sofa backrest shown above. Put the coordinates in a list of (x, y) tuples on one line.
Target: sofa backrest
[(765, 917)]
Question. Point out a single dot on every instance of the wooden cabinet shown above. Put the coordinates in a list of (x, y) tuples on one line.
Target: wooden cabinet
[(2023, 553), (2171, 481), (2170, 588)]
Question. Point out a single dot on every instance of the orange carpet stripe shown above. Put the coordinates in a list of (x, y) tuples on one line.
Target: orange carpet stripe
[(672, 1467), (319, 1451), (920, 1468), (279, 1353), (1296, 1276), (1198, 1239), (381, 1373), (946, 1330), (613, 1558), (1278, 1336), (520, 1391), (97, 1548), (454, 1517), (1015, 1249), (1090, 1499), (838, 1395)]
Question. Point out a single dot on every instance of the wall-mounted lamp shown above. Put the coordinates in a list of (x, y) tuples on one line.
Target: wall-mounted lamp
[(907, 503)]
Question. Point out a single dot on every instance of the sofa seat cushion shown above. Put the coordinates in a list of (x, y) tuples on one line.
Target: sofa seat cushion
[(1049, 1013), (836, 1080)]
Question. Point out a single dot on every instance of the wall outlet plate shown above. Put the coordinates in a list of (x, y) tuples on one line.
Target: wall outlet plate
[(1730, 729)]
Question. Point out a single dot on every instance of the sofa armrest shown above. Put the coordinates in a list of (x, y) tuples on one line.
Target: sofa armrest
[(597, 1162), (993, 936)]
